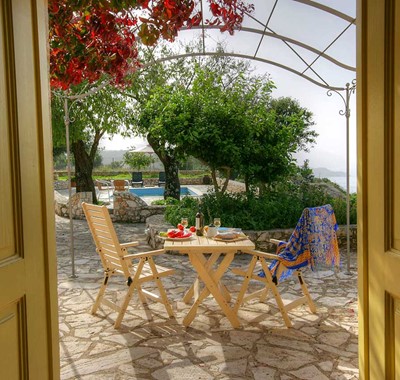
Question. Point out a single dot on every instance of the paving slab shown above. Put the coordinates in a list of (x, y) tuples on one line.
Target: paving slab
[(320, 346)]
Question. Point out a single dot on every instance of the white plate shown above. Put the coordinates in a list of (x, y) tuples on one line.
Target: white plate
[(230, 240), (179, 239)]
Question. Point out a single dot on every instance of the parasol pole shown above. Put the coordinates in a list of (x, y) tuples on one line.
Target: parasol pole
[(71, 224), (350, 89)]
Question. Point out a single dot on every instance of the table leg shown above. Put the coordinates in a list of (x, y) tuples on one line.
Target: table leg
[(210, 262), (211, 281), (245, 284), (224, 291)]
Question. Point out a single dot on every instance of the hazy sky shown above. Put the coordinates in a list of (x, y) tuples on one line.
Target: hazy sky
[(317, 29)]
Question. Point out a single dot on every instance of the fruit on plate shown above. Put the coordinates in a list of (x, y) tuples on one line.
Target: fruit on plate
[(181, 227), (178, 234), (192, 229), (163, 234)]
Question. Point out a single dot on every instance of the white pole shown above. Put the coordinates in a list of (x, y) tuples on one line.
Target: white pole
[(348, 174), (67, 122), (71, 224), (350, 89)]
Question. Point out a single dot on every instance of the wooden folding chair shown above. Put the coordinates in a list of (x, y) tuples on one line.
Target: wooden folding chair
[(313, 243), (259, 264), (116, 261), (103, 185), (121, 184)]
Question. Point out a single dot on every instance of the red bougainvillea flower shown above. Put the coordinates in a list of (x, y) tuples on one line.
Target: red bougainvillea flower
[(94, 38)]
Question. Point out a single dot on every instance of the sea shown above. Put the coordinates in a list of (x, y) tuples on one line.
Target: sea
[(341, 181)]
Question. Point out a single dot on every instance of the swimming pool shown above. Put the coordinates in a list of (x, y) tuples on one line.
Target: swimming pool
[(157, 191)]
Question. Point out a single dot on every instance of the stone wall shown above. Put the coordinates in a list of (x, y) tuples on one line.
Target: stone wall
[(61, 204), (127, 207), (148, 182), (60, 185), (155, 225), (153, 182), (130, 208), (260, 238)]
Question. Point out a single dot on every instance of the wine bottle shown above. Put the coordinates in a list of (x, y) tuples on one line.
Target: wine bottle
[(199, 223)]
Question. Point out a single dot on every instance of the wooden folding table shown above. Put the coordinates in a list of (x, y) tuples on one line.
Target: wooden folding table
[(209, 271)]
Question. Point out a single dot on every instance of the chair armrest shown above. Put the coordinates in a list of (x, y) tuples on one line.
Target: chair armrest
[(139, 255), (276, 241), (102, 183), (265, 255), (129, 244)]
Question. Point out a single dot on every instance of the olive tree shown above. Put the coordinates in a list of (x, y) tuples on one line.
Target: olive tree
[(219, 112), (103, 112), (137, 160)]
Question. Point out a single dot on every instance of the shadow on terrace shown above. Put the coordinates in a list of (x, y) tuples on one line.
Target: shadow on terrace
[(320, 346)]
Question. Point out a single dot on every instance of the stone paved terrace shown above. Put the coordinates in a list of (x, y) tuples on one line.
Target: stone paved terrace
[(321, 346)]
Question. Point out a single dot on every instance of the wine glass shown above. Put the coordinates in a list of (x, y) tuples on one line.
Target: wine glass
[(184, 222), (217, 222)]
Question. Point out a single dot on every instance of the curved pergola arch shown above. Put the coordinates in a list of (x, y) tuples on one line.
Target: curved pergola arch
[(244, 56), (327, 9), (289, 41), (266, 31)]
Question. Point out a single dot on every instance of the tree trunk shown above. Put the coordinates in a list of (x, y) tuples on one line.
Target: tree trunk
[(262, 188), (214, 179), (247, 183), (226, 182), (83, 169), (171, 167), (172, 183), (224, 186)]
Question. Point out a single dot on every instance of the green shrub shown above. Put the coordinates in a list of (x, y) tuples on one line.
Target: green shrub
[(340, 207), (187, 207), (165, 202), (278, 208)]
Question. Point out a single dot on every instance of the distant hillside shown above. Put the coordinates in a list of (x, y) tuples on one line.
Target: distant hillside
[(117, 155), (325, 173), (112, 155)]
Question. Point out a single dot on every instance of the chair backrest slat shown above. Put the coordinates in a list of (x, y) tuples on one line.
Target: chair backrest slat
[(121, 184), (113, 263), (105, 238), (137, 177), (110, 249), (101, 228)]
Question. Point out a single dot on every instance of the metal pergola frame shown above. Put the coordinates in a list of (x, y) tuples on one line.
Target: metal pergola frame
[(344, 92), (292, 44)]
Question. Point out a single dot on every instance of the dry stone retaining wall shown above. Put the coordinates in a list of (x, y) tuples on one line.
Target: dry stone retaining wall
[(260, 238), (128, 207), (61, 204), (148, 182)]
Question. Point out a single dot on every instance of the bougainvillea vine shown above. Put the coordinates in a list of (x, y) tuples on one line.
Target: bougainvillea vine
[(93, 38)]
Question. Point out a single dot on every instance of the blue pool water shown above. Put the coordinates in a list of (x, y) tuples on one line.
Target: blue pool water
[(157, 191)]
